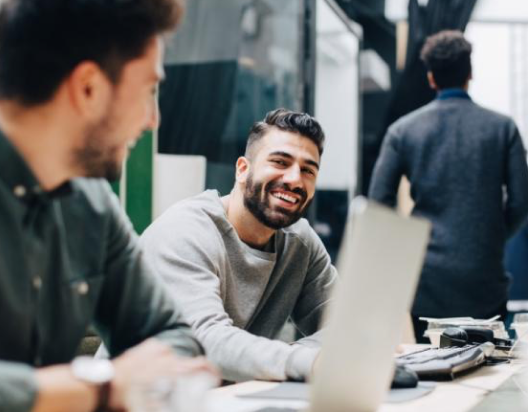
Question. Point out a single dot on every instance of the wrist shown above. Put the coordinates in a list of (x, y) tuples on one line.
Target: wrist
[(300, 363), (97, 373)]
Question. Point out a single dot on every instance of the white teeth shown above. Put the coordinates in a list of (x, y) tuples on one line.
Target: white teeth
[(287, 198)]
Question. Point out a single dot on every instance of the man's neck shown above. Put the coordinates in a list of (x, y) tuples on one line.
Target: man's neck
[(38, 135), (250, 230), (464, 87)]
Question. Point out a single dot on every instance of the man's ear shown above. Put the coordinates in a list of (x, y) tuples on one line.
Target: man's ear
[(431, 80), (242, 169), (89, 90), (470, 76)]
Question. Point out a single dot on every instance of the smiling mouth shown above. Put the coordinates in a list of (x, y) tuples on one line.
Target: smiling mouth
[(285, 197)]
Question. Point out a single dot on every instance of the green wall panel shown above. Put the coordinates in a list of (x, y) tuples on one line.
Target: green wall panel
[(139, 183)]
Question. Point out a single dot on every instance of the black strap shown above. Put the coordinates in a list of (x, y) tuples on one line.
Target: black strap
[(103, 396)]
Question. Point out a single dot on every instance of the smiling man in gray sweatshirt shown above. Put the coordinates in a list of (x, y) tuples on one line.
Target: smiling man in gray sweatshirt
[(242, 264)]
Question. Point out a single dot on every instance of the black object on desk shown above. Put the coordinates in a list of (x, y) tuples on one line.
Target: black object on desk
[(463, 336), (443, 363), (404, 378)]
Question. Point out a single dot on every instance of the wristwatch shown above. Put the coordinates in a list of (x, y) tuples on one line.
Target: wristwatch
[(96, 372)]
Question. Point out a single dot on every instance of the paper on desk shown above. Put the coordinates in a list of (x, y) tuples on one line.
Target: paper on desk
[(462, 321), (436, 325)]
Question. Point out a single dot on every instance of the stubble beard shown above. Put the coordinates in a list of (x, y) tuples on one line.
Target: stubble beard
[(94, 158)]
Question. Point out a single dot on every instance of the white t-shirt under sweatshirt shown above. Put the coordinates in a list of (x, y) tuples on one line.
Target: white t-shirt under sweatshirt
[(236, 298)]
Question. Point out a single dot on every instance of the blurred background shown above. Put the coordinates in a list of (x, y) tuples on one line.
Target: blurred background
[(352, 63)]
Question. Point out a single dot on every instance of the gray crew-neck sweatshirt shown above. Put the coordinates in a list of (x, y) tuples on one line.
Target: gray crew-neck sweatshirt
[(236, 298)]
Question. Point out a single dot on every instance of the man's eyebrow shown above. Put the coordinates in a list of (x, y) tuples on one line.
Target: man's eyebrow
[(289, 156), (313, 163)]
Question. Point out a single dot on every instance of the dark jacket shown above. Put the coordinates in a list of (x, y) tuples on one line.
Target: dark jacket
[(70, 259), (468, 173)]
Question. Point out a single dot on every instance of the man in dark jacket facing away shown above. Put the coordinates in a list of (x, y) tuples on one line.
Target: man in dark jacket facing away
[(468, 174)]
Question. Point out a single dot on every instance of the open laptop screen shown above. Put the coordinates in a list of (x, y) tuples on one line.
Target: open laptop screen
[(379, 264)]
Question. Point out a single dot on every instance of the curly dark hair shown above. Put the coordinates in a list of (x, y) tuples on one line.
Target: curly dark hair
[(447, 55), (42, 41), (289, 121)]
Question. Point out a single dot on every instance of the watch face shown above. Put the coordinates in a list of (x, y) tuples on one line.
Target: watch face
[(92, 370)]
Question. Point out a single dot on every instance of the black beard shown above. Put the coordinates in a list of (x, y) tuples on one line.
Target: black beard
[(274, 218)]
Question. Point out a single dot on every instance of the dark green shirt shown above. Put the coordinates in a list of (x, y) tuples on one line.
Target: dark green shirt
[(69, 258)]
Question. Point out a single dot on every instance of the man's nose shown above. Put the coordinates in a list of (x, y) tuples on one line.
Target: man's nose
[(153, 118), (292, 176)]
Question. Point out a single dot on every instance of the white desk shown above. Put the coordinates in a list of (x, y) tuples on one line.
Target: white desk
[(460, 395)]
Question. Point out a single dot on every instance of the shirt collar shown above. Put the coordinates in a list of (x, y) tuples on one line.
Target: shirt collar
[(454, 92), (19, 178)]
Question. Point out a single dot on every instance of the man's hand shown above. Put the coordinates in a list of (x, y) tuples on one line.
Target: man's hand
[(149, 361), (400, 349)]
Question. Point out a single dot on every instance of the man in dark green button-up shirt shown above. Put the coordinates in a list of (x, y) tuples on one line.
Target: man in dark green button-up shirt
[(76, 84)]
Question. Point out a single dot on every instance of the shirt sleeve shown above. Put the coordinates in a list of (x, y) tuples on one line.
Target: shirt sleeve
[(516, 204), (134, 304), (18, 387), (188, 260), (311, 304), (316, 290), (387, 172)]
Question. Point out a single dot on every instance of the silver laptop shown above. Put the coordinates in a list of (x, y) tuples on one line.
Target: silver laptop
[(379, 265)]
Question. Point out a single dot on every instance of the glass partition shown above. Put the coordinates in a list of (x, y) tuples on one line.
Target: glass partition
[(230, 63)]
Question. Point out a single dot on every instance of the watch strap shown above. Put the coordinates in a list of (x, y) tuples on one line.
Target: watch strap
[(103, 397)]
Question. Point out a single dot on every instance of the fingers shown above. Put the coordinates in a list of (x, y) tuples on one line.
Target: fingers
[(175, 366), (157, 355), (152, 360), (197, 365)]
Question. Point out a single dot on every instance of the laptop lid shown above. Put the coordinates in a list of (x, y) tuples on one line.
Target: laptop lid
[(379, 264)]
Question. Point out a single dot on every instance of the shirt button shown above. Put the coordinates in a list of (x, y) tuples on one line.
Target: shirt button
[(19, 191), (37, 282), (83, 288)]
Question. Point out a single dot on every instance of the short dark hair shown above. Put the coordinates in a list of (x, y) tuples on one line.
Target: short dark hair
[(289, 121), (42, 41), (447, 55)]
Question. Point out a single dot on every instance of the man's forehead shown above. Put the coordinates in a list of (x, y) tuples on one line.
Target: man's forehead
[(160, 71), (276, 140), (150, 63)]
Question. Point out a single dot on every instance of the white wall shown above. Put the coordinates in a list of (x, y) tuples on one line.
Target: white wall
[(336, 100), (490, 61), (500, 69)]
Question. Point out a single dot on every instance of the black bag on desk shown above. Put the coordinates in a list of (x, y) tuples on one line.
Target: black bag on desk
[(463, 336)]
